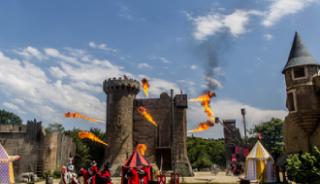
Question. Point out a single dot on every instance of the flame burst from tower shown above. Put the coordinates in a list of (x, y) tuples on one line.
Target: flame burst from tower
[(90, 136), (203, 126), (145, 86), (143, 111), (205, 100), (79, 115), (142, 148)]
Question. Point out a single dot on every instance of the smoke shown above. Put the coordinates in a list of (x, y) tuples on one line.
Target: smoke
[(212, 52)]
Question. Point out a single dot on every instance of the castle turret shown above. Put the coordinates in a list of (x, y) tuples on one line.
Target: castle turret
[(120, 97), (181, 162), (303, 102)]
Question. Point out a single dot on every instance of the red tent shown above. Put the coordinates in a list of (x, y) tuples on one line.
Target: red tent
[(136, 160), (132, 168)]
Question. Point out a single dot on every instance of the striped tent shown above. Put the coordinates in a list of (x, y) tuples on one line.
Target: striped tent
[(135, 160), (6, 167), (259, 164)]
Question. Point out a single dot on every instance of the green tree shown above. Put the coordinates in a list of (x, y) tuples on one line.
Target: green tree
[(55, 127), (272, 138), (82, 157), (88, 150), (203, 153), (97, 150), (304, 167), (9, 118)]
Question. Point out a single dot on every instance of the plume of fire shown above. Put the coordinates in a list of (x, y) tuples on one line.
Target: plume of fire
[(203, 126), (78, 115), (90, 136), (205, 100), (143, 111), (142, 148), (145, 86)]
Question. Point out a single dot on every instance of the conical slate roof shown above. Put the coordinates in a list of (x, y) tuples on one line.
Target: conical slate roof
[(299, 55)]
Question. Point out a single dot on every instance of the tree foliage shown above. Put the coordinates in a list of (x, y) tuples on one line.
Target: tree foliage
[(86, 149), (9, 118), (304, 168), (272, 138), (203, 153)]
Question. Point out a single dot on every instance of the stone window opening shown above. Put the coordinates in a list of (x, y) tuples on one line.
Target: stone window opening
[(299, 73), (291, 102)]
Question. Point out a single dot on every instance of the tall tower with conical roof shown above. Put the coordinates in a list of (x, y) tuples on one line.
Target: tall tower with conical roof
[(301, 130)]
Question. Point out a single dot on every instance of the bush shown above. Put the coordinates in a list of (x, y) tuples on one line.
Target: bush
[(304, 167), (56, 174)]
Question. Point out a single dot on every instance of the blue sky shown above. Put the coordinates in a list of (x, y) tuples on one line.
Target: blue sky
[(56, 54)]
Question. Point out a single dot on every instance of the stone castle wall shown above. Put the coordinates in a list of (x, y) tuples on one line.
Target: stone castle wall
[(39, 152), (146, 133)]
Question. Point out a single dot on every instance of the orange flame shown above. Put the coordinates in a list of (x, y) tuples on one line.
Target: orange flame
[(145, 114), (78, 115), (142, 148), (91, 136), (145, 86), (205, 100), (203, 126)]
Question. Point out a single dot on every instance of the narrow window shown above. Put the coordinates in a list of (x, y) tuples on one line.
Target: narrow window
[(299, 72), (290, 102)]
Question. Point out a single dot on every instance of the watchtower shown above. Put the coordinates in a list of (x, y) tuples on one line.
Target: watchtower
[(303, 100), (120, 97)]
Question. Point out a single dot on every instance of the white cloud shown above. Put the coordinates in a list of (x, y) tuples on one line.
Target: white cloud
[(280, 8), (144, 66), (212, 83), (193, 67), (268, 36), (46, 98), (164, 60), (11, 106), (101, 46), (58, 55), (57, 72), (230, 109), (213, 23), (31, 52)]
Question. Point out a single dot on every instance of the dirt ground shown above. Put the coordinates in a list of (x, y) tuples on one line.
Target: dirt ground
[(200, 177)]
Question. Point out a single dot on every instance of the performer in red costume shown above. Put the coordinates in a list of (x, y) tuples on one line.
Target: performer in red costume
[(105, 174), (133, 176), (85, 174)]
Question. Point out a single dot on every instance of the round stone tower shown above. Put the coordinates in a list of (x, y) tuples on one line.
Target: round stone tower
[(303, 102), (120, 97)]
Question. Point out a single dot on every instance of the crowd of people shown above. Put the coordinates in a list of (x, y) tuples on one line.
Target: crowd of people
[(92, 175)]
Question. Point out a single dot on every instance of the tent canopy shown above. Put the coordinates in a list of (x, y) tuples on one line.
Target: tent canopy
[(259, 164), (259, 152), (6, 169), (135, 160)]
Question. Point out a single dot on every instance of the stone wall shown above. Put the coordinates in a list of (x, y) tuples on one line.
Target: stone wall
[(232, 138), (39, 152), (146, 133)]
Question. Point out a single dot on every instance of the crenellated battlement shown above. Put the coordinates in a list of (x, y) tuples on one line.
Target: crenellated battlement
[(116, 84)]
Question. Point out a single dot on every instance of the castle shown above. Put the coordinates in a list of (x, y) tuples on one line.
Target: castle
[(301, 127), (125, 127)]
